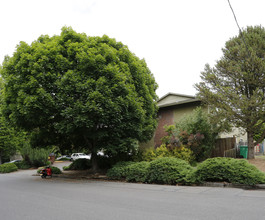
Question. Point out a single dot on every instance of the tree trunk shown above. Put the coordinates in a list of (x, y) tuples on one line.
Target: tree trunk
[(0, 157), (251, 145), (94, 161), (92, 148)]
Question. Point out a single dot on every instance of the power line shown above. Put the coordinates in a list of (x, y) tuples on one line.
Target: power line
[(240, 32)]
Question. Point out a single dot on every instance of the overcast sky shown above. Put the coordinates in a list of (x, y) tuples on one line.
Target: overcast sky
[(175, 37)]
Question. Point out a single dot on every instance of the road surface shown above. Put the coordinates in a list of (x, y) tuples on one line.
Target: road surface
[(27, 197)]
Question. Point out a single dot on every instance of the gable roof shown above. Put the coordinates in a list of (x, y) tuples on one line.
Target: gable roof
[(171, 99)]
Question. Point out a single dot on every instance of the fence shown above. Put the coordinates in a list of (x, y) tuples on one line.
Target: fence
[(222, 145)]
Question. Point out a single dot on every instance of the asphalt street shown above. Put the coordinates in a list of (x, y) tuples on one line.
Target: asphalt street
[(27, 197)]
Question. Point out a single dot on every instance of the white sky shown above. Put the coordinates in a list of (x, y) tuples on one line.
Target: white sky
[(175, 37)]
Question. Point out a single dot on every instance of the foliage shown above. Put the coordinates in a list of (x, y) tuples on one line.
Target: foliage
[(235, 86), (229, 170), (197, 132), (56, 170), (168, 171), (137, 172), (23, 165), (174, 171), (79, 164), (163, 151), (8, 168), (119, 170), (80, 92), (10, 139), (34, 156)]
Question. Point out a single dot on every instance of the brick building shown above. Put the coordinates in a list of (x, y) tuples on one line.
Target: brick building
[(172, 107)]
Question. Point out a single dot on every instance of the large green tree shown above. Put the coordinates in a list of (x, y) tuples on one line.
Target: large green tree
[(85, 91), (235, 86), (10, 140)]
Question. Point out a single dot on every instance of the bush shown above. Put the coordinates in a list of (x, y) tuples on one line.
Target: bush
[(137, 172), (168, 171), (163, 151), (120, 170), (194, 131), (79, 164), (35, 157), (8, 168), (22, 165), (229, 170), (56, 170)]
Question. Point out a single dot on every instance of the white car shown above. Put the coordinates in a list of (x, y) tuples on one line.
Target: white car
[(76, 156)]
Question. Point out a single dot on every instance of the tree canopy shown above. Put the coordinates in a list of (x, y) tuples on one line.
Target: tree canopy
[(11, 140), (235, 86), (80, 91)]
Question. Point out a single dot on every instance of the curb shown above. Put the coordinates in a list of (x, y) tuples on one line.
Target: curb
[(231, 185), (207, 184)]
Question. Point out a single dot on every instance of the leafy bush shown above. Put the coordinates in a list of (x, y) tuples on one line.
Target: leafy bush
[(120, 170), (56, 170), (22, 165), (229, 170), (168, 170), (194, 131), (164, 151), (137, 172), (79, 164), (8, 168), (36, 157)]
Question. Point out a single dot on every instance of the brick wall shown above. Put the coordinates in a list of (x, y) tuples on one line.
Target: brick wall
[(165, 117)]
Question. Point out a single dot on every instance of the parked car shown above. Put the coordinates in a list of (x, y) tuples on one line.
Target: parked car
[(14, 161), (67, 157), (76, 156)]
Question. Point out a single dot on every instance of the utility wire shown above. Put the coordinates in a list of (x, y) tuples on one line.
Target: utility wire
[(240, 32)]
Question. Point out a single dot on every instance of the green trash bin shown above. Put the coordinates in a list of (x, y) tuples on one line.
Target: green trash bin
[(244, 151)]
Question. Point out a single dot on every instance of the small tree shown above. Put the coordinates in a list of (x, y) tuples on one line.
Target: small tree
[(235, 87), (194, 131)]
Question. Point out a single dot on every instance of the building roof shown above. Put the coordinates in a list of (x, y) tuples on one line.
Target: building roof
[(172, 99)]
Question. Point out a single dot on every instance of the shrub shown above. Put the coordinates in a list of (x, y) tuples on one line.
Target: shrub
[(22, 165), (36, 157), (163, 151), (168, 170), (230, 170), (137, 172), (194, 131), (56, 170), (119, 171), (8, 168), (79, 164)]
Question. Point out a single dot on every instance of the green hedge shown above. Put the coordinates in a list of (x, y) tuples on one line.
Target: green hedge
[(24, 165), (79, 164), (137, 172), (162, 170), (176, 171), (168, 170), (56, 170), (120, 170), (229, 170), (8, 168)]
